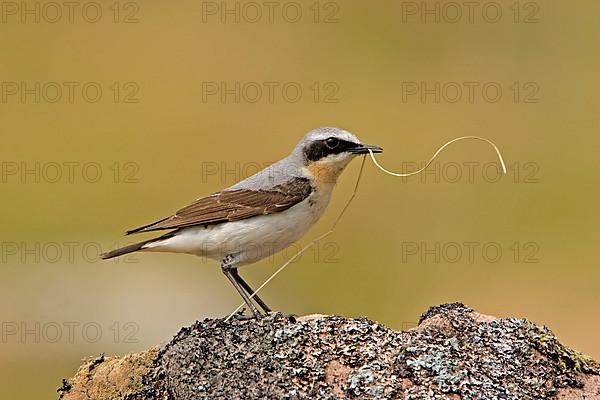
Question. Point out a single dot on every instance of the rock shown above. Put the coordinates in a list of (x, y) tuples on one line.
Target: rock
[(454, 353)]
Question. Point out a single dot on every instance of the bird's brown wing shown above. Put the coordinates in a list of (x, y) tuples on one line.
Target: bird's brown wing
[(234, 205)]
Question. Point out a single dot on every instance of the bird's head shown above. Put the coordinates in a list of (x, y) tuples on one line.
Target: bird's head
[(326, 152)]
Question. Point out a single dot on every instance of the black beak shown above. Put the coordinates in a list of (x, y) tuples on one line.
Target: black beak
[(364, 149)]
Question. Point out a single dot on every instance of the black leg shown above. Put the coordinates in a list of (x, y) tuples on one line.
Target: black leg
[(250, 291), (227, 270)]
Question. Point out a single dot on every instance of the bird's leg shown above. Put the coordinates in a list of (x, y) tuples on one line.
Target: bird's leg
[(228, 271), (250, 291)]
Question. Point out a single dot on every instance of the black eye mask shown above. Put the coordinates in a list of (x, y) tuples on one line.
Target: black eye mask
[(323, 148)]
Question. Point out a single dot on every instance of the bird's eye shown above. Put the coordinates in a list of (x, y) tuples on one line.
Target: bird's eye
[(332, 142)]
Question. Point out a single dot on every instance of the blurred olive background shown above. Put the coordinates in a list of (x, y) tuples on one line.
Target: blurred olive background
[(163, 145)]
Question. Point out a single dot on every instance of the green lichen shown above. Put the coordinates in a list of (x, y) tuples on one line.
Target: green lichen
[(546, 343)]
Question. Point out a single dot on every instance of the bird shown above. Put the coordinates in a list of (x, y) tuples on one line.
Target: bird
[(260, 215)]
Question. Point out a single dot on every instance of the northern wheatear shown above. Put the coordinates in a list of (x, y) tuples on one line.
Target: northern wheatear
[(260, 215)]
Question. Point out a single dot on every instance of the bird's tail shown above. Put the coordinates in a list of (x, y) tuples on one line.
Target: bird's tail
[(131, 248)]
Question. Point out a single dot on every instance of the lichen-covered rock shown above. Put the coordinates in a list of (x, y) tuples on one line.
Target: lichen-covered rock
[(454, 353)]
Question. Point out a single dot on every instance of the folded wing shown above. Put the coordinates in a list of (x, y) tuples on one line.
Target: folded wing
[(234, 205)]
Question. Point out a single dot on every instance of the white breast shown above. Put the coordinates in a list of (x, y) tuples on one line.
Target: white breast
[(251, 239)]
